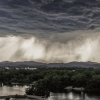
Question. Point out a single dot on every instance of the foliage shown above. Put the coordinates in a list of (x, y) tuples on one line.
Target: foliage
[(54, 79)]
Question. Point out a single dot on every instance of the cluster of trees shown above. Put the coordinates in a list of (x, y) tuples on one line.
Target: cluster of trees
[(19, 76), (54, 79)]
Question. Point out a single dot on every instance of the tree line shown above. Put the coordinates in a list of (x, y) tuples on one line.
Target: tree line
[(54, 79)]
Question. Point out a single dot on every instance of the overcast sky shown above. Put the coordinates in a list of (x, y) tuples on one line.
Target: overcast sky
[(49, 30)]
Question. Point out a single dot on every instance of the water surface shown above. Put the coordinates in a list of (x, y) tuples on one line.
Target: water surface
[(12, 90), (73, 96), (20, 90)]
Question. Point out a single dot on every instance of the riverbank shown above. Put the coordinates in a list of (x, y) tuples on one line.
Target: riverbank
[(21, 97), (36, 97)]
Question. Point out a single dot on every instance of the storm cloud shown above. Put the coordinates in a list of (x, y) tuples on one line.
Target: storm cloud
[(49, 30)]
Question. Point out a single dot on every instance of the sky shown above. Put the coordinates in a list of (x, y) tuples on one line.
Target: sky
[(50, 30)]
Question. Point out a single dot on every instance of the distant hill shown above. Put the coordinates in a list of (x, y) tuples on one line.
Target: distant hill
[(21, 64), (51, 65), (76, 65)]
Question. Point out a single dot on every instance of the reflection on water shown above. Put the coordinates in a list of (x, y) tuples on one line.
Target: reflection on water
[(12, 90), (72, 96), (16, 89)]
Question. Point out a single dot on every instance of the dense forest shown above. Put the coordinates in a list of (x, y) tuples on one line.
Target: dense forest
[(54, 79)]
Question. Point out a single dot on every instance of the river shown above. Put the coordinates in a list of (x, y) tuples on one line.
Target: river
[(12, 90), (73, 96)]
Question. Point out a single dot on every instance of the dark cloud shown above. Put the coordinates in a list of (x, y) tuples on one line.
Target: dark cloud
[(49, 30), (43, 17)]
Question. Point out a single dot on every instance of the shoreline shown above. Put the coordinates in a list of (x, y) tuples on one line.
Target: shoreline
[(22, 97), (35, 97)]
